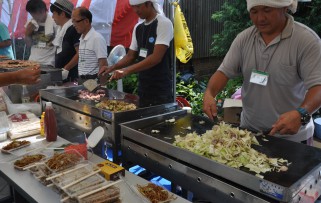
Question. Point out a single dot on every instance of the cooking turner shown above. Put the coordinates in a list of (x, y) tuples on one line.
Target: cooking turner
[(92, 84)]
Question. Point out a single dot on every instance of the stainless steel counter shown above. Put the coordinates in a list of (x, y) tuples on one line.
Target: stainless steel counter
[(83, 116), (214, 181)]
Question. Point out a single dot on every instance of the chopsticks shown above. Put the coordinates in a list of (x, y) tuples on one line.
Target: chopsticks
[(103, 187), (80, 179), (66, 172)]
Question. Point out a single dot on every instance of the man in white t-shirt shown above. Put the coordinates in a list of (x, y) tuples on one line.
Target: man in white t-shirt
[(92, 47), (150, 47), (40, 31)]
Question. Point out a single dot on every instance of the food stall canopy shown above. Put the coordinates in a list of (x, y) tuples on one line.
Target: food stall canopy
[(114, 19)]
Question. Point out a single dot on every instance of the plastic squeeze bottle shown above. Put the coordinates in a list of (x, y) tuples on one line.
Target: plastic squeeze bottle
[(42, 124), (50, 123), (25, 97)]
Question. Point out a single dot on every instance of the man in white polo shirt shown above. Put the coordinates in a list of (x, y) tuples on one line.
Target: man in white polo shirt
[(92, 47), (279, 60)]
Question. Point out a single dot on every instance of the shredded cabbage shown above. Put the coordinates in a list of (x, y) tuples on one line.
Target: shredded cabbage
[(231, 146)]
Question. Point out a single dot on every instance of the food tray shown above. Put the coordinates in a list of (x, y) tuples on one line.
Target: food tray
[(73, 174), (91, 183), (32, 147), (8, 151), (63, 160), (28, 160), (110, 194), (40, 151), (162, 194)]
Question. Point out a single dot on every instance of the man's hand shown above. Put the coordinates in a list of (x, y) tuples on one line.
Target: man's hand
[(118, 74), (105, 70), (29, 29), (28, 76), (209, 105), (288, 123), (64, 74)]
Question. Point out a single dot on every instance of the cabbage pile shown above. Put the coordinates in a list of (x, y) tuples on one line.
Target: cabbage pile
[(231, 146)]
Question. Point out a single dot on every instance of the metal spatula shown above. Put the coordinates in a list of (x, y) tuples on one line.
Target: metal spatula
[(91, 85)]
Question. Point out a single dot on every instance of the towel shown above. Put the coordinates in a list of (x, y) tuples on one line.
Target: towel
[(291, 4), (61, 31), (49, 25), (156, 4)]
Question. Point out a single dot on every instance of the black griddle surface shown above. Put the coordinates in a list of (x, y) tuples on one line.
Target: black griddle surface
[(303, 158)]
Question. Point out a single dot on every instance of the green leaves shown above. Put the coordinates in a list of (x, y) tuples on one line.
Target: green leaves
[(235, 18)]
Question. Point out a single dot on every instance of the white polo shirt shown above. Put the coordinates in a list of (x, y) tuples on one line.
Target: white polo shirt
[(91, 48)]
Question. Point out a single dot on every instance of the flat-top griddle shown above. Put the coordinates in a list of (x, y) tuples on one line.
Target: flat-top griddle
[(85, 116), (305, 160)]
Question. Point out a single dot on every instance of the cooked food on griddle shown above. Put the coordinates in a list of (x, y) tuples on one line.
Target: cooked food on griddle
[(27, 160), (116, 106), (231, 146), (85, 94), (17, 64), (15, 145), (155, 193)]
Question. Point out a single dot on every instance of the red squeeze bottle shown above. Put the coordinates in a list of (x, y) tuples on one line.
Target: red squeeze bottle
[(50, 123)]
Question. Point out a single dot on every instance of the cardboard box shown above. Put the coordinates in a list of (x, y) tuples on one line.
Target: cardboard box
[(110, 170), (232, 110)]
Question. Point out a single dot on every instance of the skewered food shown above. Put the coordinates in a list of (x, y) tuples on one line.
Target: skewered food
[(15, 145), (28, 159), (115, 105), (17, 64), (109, 195)]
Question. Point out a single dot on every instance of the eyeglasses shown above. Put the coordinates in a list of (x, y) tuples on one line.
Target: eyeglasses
[(78, 21)]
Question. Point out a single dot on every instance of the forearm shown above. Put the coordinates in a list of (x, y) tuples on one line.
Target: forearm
[(312, 100), (28, 41), (124, 62), (102, 62), (72, 63), (216, 83), (8, 78), (145, 64), (5, 43)]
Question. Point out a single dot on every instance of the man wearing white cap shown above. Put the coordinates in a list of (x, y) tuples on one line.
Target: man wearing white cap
[(66, 40), (280, 62), (150, 45)]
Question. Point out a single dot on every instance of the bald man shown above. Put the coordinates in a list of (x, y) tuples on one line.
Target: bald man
[(150, 46), (279, 60)]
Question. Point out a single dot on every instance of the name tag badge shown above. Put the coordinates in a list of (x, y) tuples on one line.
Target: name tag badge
[(259, 77), (143, 52), (42, 44)]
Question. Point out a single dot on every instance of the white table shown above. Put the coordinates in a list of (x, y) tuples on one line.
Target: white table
[(33, 191)]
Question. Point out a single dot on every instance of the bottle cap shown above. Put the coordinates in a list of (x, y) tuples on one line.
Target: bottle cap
[(48, 104)]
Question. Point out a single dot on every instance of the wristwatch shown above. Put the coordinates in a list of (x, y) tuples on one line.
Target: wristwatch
[(305, 116)]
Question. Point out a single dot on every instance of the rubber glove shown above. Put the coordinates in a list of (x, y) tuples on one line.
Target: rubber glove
[(64, 74)]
